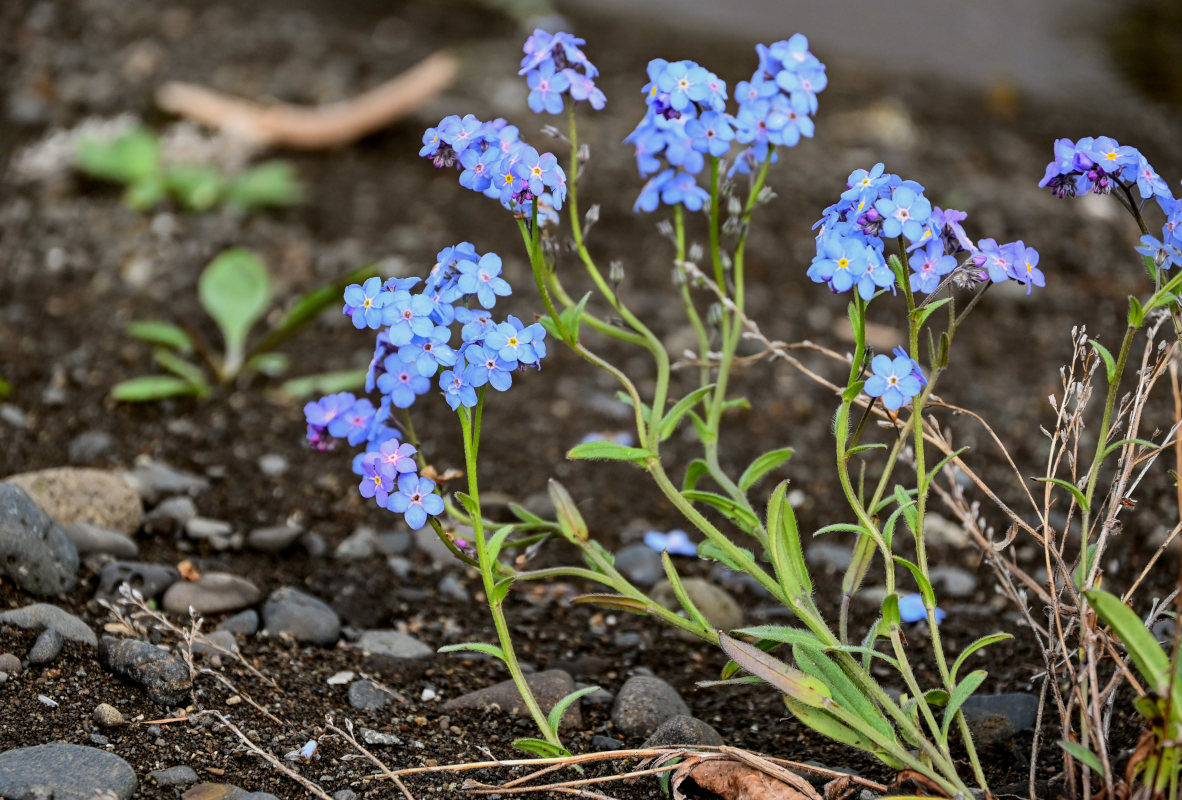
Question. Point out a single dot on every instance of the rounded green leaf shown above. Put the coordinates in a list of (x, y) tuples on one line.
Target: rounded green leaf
[(235, 290)]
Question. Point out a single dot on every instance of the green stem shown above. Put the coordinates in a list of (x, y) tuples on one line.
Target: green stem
[(470, 426)]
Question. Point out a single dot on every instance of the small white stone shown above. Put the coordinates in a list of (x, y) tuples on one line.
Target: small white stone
[(342, 678), (49, 701), (428, 694)]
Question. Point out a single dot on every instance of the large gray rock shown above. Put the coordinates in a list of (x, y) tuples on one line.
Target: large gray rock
[(163, 676), (302, 617), (40, 616), (81, 494), (64, 772), (35, 552)]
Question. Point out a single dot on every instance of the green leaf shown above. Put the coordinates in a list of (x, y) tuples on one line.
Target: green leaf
[(780, 633), (270, 364), (312, 304), (762, 465), (669, 423), (696, 470), (469, 504), (524, 514), (129, 158), (235, 290), (541, 748), (851, 392), (1122, 442), (862, 448), (1083, 755), (740, 403), (705, 435), (1148, 656), (497, 541), (1071, 487), (571, 319), (1136, 313), (860, 561), (272, 183), (925, 585), (682, 595), (616, 602), (1109, 361), (186, 370), (610, 451), (5, 389), (626, 399), (197, 187), (962, 692), (475, 647), (570, 521), (500, 590), (145, 193), (709, 550), (162, 333), (813, 661), (324, 383), (788, 680), (554, 718), (736, 513), (551, 327), (921, 314), (984, 641), (150, 388), (784, 547)]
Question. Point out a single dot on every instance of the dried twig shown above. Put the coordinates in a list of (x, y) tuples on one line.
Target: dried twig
[(270, 758), (305, 128)]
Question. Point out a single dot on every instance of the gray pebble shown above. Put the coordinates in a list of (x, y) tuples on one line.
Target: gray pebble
[(302, 617), (360, 545), (107, 716), (66, 771), (98, 739), (997, 718), (834, 557), (88, 538), (640, 564), (313, 544), (274, 538), (175, 511), (13, 416), (953, 581), (400, 566), (393, 544), (163, 676), (643, 703), (90, 446), (244, 622), (683, 730), (9, 663), (84, 494), (427, 542), (364, 695), (272, 465), (258, 796), (35, 552), (154, 479), (378, 738), (212, 593), (47, 647), (451, 586), (182, 775), (150, 580), (393, 643), (344, 794), (214, 643), (716, 604), (206, 528), (602, 744), (39, 616)]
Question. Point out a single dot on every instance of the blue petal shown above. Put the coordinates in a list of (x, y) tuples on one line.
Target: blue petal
[(911, 609)]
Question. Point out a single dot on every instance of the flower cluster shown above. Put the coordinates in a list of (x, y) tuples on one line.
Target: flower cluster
[(554, 64), (896, 380), (493, 160), (1099, 165), (879, 205), (686, 119), (413, 348)]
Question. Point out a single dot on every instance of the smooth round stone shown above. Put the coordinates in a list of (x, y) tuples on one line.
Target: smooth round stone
[(643, 703), (47, 647), (82, 494), (244, 622), (548, 687), (88, 538), (163, 676), (212, 593), (35, 552), (67, 771), (364, 695), (716, 604), (182, 775), (361, 544), (274, 538), (39, 616), (107, 716), (640, 564), (9, 663), (154, 479), (90, 446), (301, 617), (683, 730)]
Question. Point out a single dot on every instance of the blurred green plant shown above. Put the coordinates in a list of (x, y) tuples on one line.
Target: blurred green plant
[(134, 159), (235, 290), (5, 388)]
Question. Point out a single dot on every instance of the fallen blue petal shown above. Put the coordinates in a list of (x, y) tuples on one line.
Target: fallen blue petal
[(911, 609), (623, 438), (675, 541)]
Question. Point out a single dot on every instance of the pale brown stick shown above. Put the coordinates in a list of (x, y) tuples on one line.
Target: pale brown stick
[(313, 128)]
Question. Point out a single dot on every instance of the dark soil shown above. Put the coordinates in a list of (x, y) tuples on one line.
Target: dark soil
[(77, 266)]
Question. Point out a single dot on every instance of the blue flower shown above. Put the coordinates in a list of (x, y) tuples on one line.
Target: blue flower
[(930, 265), (394, 457), (892, 381), (415, 500), (1164, 255), (485, 366), (840, 260), (374, 482), (911, 609), (484, 280), (710, 133), (364, 303), (401, 383), (546, 88), (457, 389), (1026, 266), (429, 353), (904, 212), (675, 542), (516, 343)]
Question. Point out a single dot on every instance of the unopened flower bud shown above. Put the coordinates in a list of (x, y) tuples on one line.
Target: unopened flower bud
[(734, 206), (696, 252), (590, 218), (616, 271), (714, 315), (584, 154), (551, 131)]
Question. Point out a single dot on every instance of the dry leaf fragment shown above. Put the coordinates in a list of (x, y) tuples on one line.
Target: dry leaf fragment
[(736, 781), (188, 570)]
